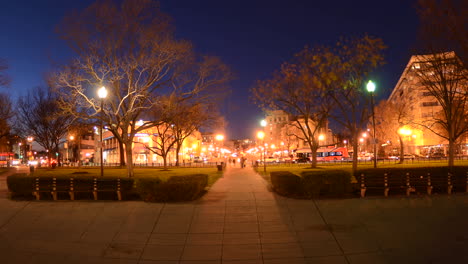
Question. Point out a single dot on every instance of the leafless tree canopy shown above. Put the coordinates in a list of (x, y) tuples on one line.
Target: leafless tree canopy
[(131, 50), (444, 22), (6, 113), (389, 118), (40, 116), (301, 89), (444, 76)]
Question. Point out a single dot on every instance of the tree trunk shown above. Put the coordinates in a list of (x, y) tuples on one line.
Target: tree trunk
[(122, 154), (164, 156), (313, 149), (355, 152), (128, 151), (451, 153), (179, 146), (402, 150)]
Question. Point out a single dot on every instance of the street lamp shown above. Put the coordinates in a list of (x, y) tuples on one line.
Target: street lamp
[(30, 140), (371, 89), (261, 136), (102, 93)]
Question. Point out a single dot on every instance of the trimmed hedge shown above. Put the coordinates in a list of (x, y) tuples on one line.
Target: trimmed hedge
[(312, 184), (286, 183), (334, 183), (20, 185), (176, 189)]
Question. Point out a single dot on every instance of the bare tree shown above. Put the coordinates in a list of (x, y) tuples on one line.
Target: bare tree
[(131, 50), (300, 89), (355, 59), (444, 22), (164, 142), (192, 118), (6, 109), (6, 113), (390, 117), (39, 116), (444, 76)]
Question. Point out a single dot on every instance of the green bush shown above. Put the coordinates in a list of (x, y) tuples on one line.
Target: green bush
[(20, 185), (286, 183), (326, 183), (176, 189)]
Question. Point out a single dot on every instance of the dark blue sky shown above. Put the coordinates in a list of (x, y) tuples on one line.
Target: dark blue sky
[(253, 37)]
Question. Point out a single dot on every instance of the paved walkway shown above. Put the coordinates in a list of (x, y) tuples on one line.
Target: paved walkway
[(238, 221)]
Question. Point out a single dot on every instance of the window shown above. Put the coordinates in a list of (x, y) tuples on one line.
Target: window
[(429, 104)]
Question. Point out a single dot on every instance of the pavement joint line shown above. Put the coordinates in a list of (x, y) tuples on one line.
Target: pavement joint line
[(151, 233), (331, 231), (13, 216)]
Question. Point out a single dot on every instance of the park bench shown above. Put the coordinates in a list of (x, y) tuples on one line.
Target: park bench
[(81, 186), (107, 186), (374, 183), (72, 186), (440, 183), (460, 182), (396, 183), (420, 183), (416, 182)]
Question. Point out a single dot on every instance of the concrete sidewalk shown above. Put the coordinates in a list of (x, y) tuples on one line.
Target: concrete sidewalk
[(238, 221)]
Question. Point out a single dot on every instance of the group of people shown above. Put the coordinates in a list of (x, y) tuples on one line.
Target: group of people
[(242, 161)]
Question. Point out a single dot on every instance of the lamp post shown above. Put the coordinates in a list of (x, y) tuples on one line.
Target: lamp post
[(102, 93), (30, 140), (261, 135), (264, 123), (371, 90)]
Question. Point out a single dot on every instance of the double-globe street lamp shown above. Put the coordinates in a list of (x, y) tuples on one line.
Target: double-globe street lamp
[(371, 89), (102, 93)]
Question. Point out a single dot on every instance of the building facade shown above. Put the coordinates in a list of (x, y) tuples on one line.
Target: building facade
[(421, 107)]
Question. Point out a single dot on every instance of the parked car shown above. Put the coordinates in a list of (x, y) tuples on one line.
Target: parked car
[(271, 159), (302, 160), (408, 156), (436, 156)]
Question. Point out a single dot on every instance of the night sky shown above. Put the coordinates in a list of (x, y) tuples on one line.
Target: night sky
[(253, 37)]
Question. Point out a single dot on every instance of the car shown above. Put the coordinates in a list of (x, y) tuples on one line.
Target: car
[(436, 156), (271, 159), (302, 160)]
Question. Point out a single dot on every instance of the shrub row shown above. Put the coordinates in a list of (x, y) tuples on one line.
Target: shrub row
[(336, 183), (177, 188), (312, 184)]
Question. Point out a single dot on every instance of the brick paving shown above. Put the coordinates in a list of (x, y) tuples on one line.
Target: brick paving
[(238, 221)]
